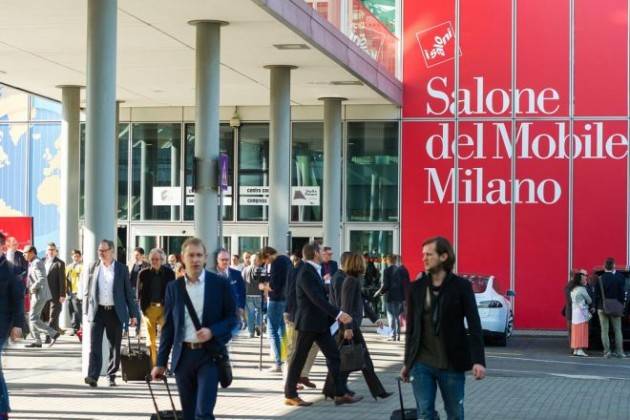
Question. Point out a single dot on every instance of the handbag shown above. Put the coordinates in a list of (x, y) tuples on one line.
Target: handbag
[(611, 307), (220, 358), (352, 356)]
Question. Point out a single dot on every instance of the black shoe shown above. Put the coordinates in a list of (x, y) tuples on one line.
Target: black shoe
[(47, 340), (90, 381), (257, 331), (53, 340), (112, 381), (384, 395), (33, 345)]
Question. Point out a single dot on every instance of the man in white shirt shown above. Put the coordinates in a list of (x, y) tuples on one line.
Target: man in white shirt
[(108, 303), (195, 349)]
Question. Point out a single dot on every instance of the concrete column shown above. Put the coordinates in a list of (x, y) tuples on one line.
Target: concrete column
[(331, 197), (175, 175), (207, 61), (279, 156), (100, 148), (117, 158), (70, 171)]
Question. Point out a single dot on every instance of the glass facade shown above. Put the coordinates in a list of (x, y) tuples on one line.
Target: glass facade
[(253, 168), (307, 166), (226, 145), (123, 171), (155, 156), (372, 172), (150, 155)]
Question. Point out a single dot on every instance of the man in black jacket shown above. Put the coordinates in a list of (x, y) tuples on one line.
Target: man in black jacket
[(394, 293), (613, 284), (314, 316), (437, 348), (56, 274)]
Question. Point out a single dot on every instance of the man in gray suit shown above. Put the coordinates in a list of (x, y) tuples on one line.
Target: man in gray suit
[(40, 294), (108, 303)]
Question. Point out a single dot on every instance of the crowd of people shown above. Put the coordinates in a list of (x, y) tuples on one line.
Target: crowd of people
[(306, 303), (603, 294)]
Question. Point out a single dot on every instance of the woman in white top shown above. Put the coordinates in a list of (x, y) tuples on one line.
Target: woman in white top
[(581, 313)]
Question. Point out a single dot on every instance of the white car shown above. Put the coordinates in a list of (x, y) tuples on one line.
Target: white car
[(495, 309)]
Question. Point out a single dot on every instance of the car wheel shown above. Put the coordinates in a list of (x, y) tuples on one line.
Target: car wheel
[(509, 327)]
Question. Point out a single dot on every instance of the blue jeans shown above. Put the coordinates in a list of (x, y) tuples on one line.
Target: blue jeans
[(252, 304), (424, 379), (276, 327), (394, 309)]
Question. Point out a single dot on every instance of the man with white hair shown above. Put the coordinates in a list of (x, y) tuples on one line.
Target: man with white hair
[(152, 284)]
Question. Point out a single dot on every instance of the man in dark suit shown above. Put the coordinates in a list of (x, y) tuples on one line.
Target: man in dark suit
[(16, 257), (313, 318), (11, 315), (613, 284), (394, 293), (438, 349), (235, 278), (193, 349), (328, 268), (108, 303), (56, 275)]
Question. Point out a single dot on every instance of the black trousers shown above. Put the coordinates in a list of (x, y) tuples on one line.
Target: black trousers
[(326, 343), (374, 384), (75, 311), (104, 321), (51, 312)]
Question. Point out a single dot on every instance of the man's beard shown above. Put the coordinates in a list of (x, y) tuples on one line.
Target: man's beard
[(434, 270)]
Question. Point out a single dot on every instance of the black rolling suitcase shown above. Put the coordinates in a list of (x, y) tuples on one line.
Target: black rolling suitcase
[(135, 361), (173, 413), (403, 414)]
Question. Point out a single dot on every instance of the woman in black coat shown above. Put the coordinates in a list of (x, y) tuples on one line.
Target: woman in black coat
[(353, 304)]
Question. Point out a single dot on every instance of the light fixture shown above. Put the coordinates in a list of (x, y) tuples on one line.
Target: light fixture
[(346, 83), (292, 46), (3, 72)]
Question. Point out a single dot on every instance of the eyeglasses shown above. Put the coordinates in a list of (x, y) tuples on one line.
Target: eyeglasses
[(104, 250)]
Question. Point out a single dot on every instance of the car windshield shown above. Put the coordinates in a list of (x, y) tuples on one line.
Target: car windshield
[(479, 284)]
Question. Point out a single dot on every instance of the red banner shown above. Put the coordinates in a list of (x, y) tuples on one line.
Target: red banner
[(511, 150), (21, 228)]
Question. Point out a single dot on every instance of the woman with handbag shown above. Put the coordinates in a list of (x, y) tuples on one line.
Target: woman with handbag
[(580, 313), (349, 336)]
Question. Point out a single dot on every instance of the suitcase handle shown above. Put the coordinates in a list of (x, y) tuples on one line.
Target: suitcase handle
[(168, 390), (402, 407)]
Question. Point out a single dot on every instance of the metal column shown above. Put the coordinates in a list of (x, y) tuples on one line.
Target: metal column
[(70, 171), (331, 202), (279, 156), (207, 62)]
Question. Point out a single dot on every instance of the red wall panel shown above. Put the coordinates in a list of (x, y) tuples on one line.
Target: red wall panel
[(428, 42), (542, 57), (485, 76), (484, 197), (601, 57), (600, 211), (423, 214), (542, 231)]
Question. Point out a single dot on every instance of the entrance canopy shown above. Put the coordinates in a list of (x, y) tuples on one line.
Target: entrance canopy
[(43, 44)]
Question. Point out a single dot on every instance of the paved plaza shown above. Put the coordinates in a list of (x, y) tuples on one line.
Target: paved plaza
[(533, 378)]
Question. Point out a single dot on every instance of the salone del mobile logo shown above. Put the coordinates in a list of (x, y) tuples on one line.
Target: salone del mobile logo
[(487, 141)]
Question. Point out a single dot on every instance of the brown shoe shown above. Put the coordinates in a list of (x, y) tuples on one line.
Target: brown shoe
[(296, 402), (347, 399), (307, 382)]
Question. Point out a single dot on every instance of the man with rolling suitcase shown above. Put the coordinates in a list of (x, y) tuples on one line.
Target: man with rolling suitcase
[(199, 297)]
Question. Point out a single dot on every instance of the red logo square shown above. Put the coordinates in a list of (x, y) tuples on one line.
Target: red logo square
[(437, 44)]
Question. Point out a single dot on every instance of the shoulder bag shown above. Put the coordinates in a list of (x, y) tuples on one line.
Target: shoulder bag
[(220, 358), (611, 307)]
